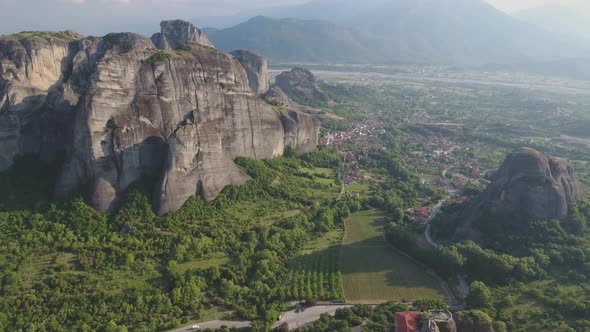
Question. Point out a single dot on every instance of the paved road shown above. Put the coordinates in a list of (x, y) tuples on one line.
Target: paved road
[(451, 191), (341, 177), (294, 320), (216, 324), (312, 314), (463, 287)]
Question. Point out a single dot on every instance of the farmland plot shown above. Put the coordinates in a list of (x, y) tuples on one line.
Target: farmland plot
[(373, 272)]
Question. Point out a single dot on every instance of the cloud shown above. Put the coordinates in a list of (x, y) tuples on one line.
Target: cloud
[(77, 2)]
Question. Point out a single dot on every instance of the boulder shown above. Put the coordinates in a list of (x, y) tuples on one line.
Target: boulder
[(177, 34), (527, 183), (301, 84)]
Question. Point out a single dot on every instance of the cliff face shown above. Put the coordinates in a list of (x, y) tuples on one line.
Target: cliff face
[(529, 183), (32, 74), (123, 107), (301, 124), (177, 34), (256, 68)]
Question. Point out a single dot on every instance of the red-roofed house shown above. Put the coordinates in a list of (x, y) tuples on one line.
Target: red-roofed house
[(408, 321)]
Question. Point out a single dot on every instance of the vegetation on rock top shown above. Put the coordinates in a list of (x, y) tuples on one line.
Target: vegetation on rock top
[(65, 35)]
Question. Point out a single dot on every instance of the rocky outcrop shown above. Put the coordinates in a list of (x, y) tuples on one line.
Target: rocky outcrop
[(302, 84), (473, 321), (527, 183), (177, 33), (36, 103), (302, 124), (120, 107), (256, 68)]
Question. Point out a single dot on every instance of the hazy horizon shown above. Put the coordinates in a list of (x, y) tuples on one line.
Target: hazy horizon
[(97, 17)]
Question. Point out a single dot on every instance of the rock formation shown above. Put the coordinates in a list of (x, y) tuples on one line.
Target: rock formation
[(301, 83), (176, 34), (121, 107), (302, 124), (35, 106), (256, 68), (526, 183)]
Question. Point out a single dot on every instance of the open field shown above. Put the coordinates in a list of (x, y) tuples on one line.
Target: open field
[(364, 227), (373, 272), (360, 187), (202, 264)]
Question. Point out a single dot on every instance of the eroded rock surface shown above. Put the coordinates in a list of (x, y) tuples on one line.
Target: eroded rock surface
[(36, 102), (527, 183), (302, 84), (177, 34), (256, 68), (301, 123), (121, 107)]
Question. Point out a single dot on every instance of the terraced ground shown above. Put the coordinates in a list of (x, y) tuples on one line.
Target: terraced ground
[(373, 272)]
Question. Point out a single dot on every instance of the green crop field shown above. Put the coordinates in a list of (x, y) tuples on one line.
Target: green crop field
[(315, 272), (373, 272), (359, 187)]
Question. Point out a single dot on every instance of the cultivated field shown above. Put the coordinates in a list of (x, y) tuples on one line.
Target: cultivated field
[(373, 272), (315, 272)]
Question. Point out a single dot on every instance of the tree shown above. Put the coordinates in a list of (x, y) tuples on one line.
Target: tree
[(479, 296), (282, 328), (430, 304)]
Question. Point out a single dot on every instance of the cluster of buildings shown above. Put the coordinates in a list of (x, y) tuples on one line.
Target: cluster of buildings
[(433, 146), (420, 214), (352, 172), (468, 167), (359, 134), (363, 135), (432, 321)]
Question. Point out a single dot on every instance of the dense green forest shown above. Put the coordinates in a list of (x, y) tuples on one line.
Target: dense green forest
[(65, 266)]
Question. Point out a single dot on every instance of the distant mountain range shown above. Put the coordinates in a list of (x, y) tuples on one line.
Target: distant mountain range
[(450, 32), (295, 40), (567, 20)]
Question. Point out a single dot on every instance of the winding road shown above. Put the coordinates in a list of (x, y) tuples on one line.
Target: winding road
[(451, 191), (463, 286)]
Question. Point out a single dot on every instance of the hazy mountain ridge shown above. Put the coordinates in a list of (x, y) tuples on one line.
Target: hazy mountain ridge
[(464, 32), (568, 20), (295, 40)]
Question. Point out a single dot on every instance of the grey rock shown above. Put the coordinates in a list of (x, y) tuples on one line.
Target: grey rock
[(178, 34), (36, 101), (527, 182), (256, 68), (118, 111), (302, 84), (301, 124)]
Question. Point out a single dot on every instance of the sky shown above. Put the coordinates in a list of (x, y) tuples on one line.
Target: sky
[(102, 16), (517, 5)]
